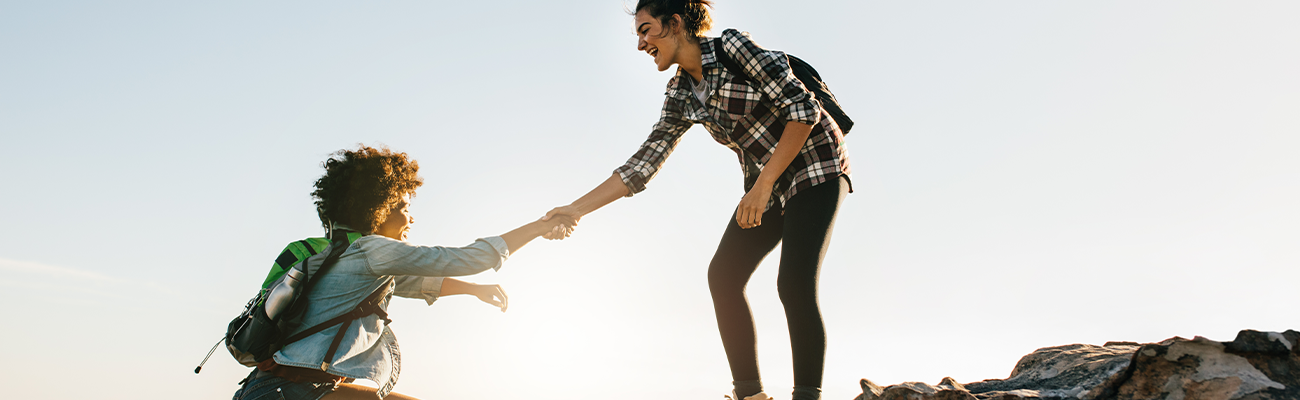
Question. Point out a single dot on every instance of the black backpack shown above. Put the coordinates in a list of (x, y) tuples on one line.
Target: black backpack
[(805, 73), (253, 337)]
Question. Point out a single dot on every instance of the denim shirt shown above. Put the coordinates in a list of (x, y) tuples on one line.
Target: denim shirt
[(369, 349)]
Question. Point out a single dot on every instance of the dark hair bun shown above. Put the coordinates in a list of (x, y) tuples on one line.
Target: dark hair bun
[(695, 14)]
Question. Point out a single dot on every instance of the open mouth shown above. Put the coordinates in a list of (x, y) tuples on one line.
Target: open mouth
[(653, 52)]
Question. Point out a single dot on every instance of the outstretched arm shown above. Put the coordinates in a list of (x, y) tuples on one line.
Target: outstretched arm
[(635, 173), (515, 239), (491, 294), (608, 191)]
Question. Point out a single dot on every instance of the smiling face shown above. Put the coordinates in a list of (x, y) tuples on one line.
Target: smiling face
[(652, 38), (399, 220)]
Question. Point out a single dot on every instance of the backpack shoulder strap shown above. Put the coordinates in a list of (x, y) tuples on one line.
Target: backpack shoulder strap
[(805, 73), (370, 305), (728, 62), (338, 245)]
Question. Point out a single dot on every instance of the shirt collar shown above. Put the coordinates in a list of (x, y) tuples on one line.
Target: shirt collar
[(680, 86)]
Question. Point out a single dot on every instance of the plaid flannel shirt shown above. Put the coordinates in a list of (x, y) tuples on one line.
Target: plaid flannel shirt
[(747, 117)]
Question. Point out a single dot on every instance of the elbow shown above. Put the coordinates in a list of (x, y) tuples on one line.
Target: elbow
[(804, 113), (799, 130)]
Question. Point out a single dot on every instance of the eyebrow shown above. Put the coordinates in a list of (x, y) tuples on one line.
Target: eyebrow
[(638, 27)]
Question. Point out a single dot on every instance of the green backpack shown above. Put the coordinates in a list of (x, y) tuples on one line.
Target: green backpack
[(296, 252), (278, 308)]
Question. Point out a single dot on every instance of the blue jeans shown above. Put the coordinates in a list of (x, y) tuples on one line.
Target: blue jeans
[(264, 386)]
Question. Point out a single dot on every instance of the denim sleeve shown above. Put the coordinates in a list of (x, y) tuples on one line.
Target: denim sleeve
[(393, 257), (419, 287)]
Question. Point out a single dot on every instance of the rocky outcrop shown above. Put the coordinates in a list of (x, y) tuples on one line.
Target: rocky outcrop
[(1254, 366), (948, 389), (1077, 371)]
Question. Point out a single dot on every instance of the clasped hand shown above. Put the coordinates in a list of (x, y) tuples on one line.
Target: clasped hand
[(568, 215)]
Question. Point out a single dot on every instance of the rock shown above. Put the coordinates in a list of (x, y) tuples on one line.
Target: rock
[(948, 389), (1200, 368), (870, 390), (1254, 366), (1019, 394), (1077, 371), (1250, 341)]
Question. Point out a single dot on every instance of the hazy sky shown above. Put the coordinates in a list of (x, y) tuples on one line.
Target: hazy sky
[(1027, 174)]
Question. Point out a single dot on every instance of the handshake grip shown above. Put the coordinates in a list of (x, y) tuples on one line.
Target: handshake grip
[(561, 226)]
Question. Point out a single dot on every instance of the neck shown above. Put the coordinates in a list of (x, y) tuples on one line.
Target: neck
[(690, 59)]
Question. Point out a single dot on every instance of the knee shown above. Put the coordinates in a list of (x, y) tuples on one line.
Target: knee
[(793, 289), (723, 280)]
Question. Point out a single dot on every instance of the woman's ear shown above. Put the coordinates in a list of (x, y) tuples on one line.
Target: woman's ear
[(678, 25)]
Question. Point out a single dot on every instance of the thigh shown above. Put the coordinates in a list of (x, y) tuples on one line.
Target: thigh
[(741, 250), (351, 391), (809, 220)]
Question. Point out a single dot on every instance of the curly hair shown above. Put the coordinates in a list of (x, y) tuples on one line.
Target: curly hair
[(361, 186)]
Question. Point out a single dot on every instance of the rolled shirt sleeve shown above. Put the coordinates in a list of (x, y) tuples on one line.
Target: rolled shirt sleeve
[(427, 288), (771, 71), (664, 137), (386, 256)]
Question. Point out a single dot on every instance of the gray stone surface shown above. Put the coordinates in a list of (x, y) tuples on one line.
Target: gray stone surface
[(1077, 371), (1254, 366), (1254, 369), (948, 389)]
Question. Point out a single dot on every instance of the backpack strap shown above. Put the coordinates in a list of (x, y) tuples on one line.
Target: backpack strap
[(805, 73), (310, 249), (370, 305), (367, 307), (728, 62), (338, 245)]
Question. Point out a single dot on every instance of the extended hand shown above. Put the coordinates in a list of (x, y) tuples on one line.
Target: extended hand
[(569, 215), (491, 294), (749, 213)]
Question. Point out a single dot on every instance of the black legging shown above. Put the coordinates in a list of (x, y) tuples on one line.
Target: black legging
[(805, 230)]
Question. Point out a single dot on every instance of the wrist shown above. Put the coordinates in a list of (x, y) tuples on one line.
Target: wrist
[(539, 228), (578, 209)]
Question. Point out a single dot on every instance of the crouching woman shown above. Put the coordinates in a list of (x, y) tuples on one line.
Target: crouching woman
[(364, 195)]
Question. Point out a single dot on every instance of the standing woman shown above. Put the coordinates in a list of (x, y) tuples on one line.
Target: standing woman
[(796, 176)]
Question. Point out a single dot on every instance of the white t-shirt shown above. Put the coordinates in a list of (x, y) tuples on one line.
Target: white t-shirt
[(701, 90)]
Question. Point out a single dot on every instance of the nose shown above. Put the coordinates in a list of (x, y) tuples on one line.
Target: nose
[(640, 43)]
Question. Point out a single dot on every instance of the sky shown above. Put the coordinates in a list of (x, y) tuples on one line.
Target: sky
[(1027, 174)]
